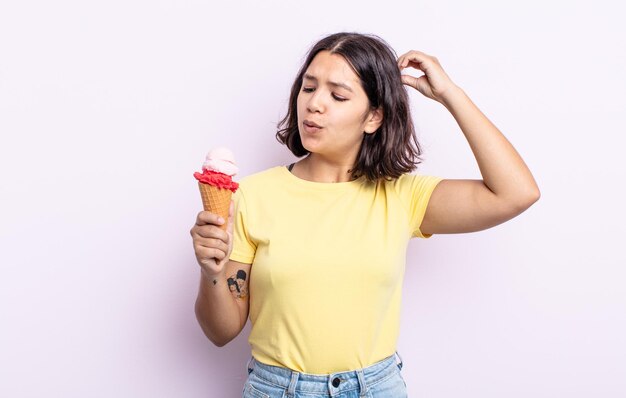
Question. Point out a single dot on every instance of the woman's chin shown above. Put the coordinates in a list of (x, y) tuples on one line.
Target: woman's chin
[(307, 143)]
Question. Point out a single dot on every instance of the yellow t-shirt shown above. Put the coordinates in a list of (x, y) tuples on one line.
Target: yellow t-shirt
[(327, 265)]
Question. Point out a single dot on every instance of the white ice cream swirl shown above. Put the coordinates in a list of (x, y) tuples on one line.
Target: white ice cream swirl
[(222, 160)]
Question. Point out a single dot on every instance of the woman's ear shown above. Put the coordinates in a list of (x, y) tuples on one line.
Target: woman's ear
[(374, 121)]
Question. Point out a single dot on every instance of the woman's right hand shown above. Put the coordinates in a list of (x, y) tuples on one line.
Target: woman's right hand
[(212, 244)]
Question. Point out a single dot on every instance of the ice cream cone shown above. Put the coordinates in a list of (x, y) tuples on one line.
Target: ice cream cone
[(216, 182), (216, 200)]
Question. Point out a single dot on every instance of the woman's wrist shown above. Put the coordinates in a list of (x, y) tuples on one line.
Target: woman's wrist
[(452, 96)]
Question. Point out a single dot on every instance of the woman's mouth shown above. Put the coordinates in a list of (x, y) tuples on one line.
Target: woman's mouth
[(310, 127)]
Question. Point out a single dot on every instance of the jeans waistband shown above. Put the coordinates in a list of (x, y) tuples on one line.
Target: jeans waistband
[(333, 383)]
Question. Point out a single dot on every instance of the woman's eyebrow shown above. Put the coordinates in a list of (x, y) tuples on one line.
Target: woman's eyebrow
[(336, 84)]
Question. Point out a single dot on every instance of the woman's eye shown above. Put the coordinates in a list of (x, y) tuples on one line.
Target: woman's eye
[(308, 90)]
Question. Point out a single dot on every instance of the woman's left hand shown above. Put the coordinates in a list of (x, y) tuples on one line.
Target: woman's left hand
[(435, 83)]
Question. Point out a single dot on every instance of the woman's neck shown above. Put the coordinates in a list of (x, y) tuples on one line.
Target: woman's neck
[(311, 169)]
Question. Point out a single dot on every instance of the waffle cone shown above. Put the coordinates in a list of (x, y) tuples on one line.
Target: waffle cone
[(216, 200)]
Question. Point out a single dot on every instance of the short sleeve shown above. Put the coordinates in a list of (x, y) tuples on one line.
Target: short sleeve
[(415, 191), (243, 247)]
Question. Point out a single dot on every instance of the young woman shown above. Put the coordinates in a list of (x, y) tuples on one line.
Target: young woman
[(318, 248)]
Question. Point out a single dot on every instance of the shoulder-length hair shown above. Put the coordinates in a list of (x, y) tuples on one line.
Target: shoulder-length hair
[(393, 149)]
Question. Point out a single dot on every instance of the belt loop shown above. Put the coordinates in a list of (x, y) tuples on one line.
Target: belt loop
[(400, 358), (250, 365), (362, 384), (291, 390)]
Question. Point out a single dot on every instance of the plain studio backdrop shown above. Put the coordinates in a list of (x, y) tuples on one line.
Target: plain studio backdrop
[(107, 109)]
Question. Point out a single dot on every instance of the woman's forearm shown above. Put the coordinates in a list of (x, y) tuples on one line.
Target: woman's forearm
[(216, 311), (503, 169)]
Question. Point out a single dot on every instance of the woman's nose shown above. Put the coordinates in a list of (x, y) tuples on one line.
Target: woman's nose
[(315, 102)]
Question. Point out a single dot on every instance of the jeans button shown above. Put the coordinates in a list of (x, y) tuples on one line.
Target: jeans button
[(336, 382)]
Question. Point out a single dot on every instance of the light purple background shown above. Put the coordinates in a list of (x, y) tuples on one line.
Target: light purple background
[(107, 108)]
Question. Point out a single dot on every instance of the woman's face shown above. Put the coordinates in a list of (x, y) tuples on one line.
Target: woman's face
[(332, 97)]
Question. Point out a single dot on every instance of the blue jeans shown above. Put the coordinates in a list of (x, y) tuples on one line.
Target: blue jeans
[(382, 379)]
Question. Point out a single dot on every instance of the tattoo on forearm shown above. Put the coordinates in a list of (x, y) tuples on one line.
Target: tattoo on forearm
[(237, 284)]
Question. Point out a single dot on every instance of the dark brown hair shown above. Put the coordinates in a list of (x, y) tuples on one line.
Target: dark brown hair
[(390, 151)]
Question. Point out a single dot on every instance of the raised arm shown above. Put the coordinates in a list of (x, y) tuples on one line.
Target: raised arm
[(507, 188)]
